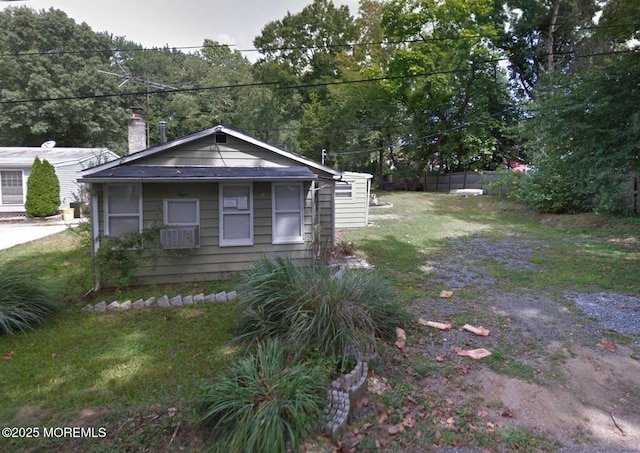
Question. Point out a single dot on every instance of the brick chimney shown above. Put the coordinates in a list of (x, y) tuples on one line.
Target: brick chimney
[(137, 131)]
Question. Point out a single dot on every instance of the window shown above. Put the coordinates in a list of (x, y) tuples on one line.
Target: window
[(344, 189), (236, 214), (123, 209), (288, 213), (11, 187), (183, 216), (182, 212)]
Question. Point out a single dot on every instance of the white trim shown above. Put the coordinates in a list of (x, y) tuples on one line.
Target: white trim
[(139, 214), (287, 239), (24, 187), (244, 210)]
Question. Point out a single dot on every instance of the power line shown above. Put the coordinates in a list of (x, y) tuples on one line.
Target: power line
[(288, 87)]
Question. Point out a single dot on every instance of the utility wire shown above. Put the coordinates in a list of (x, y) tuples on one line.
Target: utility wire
[(289, 87)]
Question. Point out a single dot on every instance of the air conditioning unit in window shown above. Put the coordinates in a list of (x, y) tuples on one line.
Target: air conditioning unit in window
[(180, 238)]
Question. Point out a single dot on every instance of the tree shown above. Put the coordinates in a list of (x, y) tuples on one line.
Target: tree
[(51, 86), (447, 78), (310, 41), (43, 190)]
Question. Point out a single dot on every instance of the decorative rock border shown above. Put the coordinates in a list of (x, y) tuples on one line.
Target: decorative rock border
[(163, 302)]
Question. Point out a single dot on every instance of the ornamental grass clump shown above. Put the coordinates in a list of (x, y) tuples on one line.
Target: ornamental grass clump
[(265, 403), (315, 309), (25, 301)]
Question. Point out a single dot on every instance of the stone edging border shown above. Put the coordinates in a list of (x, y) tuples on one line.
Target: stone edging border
[(163, 302), (345, 391)]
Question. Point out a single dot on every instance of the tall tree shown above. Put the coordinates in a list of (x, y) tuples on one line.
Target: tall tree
[(309, 42), (447, 77), (542, 38), (51, 84)]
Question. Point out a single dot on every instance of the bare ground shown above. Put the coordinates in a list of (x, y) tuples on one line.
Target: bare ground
[(557, 369)]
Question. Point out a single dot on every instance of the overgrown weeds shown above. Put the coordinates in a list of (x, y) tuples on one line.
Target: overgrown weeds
[(316, 309)]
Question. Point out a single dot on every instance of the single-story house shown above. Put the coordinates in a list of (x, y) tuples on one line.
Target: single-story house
[(352, 200), (220, 199), (15, 167)]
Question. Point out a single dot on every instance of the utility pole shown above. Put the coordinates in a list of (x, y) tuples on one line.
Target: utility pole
[(138, 81)]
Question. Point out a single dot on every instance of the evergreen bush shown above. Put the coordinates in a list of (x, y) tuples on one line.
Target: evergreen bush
[(43, 190)]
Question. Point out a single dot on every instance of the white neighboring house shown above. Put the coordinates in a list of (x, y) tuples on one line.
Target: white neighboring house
[(15, 167), (352, 200)]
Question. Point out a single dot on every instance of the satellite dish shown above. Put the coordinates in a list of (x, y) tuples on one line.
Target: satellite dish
[(48, 144)]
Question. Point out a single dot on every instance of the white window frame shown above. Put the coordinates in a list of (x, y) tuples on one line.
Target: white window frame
[(108, 215), (165, 204), (275, 239), (22, 180), (229, 211)]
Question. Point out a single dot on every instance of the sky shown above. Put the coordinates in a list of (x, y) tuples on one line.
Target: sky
[(179, 23)]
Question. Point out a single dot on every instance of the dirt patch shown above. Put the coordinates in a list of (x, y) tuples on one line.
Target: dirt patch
[(583, 386), (566, 365)]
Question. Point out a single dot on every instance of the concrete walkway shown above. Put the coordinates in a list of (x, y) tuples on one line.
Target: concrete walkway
[(14, 233)]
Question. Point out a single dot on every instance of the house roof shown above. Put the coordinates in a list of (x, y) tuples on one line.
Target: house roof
[(206, 133), (23, 157), (156, 173)]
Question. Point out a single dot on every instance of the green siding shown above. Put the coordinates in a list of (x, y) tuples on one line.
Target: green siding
[(210, 261)]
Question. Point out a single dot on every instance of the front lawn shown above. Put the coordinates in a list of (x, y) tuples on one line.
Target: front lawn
[(137, 374)]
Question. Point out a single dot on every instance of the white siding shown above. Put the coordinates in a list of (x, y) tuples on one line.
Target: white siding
[(353, 212)]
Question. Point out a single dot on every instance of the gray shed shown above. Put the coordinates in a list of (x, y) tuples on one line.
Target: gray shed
[(15, 167)]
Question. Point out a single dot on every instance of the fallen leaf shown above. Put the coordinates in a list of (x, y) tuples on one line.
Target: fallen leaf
[(402, 338), (395, 429), (446, 294), (475, 353), (483, 414), (54, 355), (606, 345), (439, 359), (8, 355), (506, 412), (477, 330)]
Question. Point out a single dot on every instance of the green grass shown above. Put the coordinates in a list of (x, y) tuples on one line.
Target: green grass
[(139, 373), (122, 366)]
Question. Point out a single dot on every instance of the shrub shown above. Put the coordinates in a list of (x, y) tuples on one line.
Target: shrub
[(315, 309), (43, 190), (24, 300), (265, 403)]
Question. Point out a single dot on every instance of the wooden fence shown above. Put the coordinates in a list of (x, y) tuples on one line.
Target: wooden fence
[(435, 182)]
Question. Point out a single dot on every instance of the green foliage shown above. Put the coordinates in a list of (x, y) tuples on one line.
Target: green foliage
[(583, 139), (118, 259), (47, 55), (265, 403), (43, 190), (315, 309), (25, 300)]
